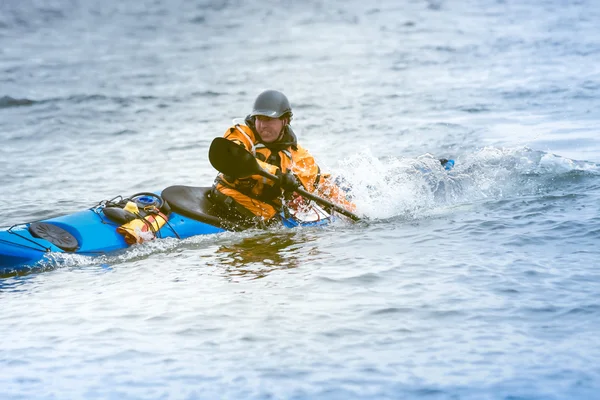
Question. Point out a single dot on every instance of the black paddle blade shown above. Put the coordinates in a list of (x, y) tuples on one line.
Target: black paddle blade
[(232, 159)]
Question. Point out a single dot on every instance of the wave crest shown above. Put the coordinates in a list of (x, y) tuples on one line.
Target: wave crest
[(7, 101), (413, 188)]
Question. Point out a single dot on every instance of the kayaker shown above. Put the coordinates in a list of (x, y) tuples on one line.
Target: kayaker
[(267, 134)]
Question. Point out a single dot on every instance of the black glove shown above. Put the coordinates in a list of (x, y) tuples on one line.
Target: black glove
[(287, 181), (447, 164)]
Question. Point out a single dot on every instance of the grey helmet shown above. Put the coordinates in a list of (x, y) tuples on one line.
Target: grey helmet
[(273, 104)]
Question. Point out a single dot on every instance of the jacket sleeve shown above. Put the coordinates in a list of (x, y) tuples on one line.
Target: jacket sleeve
[(238, 137), (309, 174), (330, 190)]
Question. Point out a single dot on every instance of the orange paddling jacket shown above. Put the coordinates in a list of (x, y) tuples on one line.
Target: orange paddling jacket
[(259, 195)]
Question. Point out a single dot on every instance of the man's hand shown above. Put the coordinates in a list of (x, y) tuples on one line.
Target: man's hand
[(287, 181)]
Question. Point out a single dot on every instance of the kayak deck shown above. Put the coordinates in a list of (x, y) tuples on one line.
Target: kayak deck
[(92, 232)]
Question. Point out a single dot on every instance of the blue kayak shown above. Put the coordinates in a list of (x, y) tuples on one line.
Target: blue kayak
[(177, 212)]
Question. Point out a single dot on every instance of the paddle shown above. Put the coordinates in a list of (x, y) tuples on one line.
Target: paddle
[(235, 161)]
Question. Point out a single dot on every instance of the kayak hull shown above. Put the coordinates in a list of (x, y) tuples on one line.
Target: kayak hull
[(95, 234), (92, 233)]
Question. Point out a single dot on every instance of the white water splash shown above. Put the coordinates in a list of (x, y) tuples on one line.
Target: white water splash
[(413, 188), (137, 251)]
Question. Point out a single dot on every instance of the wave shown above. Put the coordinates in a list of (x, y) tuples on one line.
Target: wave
[(7, 101), (392, 186)]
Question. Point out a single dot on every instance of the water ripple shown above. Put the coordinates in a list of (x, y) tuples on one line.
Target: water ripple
[(7, 101)]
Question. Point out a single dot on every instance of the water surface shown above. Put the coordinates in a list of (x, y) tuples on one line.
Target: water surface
[(480, 283)]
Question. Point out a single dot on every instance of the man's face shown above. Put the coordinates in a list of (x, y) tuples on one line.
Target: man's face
[(268, 128)]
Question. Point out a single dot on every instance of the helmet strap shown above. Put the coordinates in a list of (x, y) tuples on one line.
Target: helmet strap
[(286, 122), (280, 134)]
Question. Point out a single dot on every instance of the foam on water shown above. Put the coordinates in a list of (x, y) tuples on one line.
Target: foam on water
[(132, 253), (414, 188)]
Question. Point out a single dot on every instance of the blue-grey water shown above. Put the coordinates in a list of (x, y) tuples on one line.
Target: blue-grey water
[(481, 283)]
